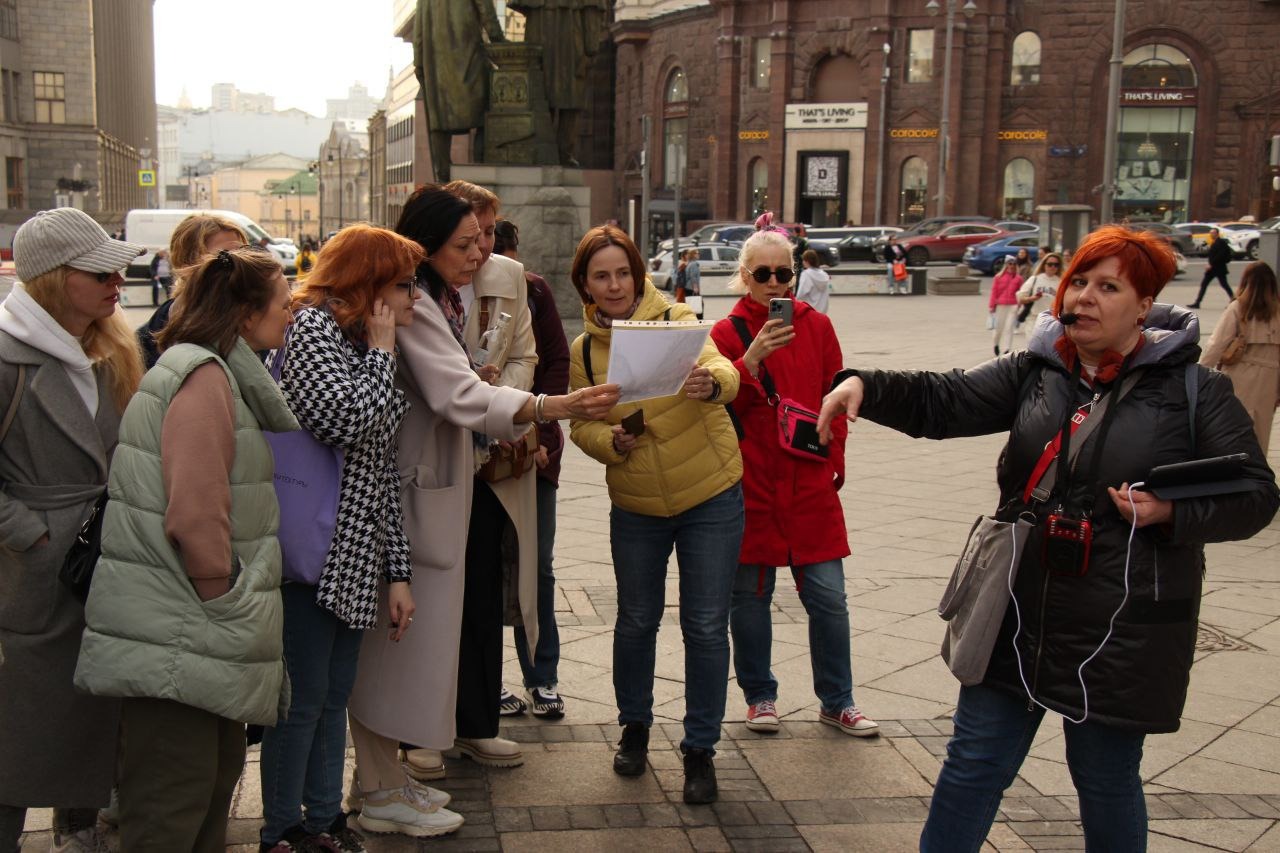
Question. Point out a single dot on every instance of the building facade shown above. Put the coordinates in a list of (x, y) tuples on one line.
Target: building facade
[(77, 107), (829, 111), (344, 176)]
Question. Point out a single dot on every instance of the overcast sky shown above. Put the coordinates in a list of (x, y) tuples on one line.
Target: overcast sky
[(300, 51)]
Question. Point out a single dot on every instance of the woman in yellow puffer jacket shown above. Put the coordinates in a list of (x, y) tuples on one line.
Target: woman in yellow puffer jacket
[(678, 485)]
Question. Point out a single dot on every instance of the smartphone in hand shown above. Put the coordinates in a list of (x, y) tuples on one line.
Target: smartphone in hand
[(633, 424), (781, 309)]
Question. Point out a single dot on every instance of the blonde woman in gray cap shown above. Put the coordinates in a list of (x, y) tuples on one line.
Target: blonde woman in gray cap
[(68, 365)]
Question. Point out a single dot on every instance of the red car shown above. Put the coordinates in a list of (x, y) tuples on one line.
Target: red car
[(947, 243)]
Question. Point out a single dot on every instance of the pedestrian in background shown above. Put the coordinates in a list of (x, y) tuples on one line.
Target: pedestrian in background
[(338, 376), (184, 617), (793, 512), (539, 670), (68, 367), (676, 484), (1042, 282), (193, 238), (1003, 303), (1255, 373), (894, 254), (815, 283), (161, 277), (1024, 262), (1219, 257)]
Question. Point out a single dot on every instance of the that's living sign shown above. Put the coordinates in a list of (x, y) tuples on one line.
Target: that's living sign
[(852, 116)]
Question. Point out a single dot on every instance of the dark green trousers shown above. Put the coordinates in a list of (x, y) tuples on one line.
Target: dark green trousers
[(178, 771)]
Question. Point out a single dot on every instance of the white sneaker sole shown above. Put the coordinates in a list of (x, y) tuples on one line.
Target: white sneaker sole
[(389, 826), (487, 759), (767, 727)]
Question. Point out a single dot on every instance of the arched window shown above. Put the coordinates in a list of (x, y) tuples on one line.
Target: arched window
[(1019, 189), (759, 172), (1026, 59), (834, 78), (913, 190), (675, 128), (1158, 66)]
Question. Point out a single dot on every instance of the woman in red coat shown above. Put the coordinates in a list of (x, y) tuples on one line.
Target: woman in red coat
[(794, 517)]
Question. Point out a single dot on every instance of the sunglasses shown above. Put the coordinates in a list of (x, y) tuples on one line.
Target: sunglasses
[(763, 274), (1052, 264)]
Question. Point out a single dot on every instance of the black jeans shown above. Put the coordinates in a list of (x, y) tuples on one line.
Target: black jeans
[(480, 654), (1209, 275)]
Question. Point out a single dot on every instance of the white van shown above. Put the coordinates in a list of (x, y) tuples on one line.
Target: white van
[(154, 228)]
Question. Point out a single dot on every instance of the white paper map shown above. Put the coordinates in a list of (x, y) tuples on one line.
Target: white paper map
[(653, 359)]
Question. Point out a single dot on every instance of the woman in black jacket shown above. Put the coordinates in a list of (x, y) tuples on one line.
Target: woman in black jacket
[(1107, 641)]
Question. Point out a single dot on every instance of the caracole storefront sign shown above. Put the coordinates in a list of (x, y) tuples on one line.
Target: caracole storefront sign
[(827, 116)]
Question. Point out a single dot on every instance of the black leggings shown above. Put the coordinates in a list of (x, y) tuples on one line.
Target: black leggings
[(480, 654), (1209, 276)]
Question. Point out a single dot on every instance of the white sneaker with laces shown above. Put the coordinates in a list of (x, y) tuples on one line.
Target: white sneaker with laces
[(851, 721), (355, 796), (405, 811)]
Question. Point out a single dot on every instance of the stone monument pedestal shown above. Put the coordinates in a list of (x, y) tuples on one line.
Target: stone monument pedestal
[(551, 205), (517, 127), (960, 283)]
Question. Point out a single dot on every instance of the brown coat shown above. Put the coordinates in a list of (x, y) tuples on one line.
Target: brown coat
[(408, 690), (1256, 376), (57, 746)]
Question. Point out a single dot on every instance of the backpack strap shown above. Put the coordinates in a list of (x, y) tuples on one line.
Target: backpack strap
[(586, 359), (1193, 396), (12, 411)]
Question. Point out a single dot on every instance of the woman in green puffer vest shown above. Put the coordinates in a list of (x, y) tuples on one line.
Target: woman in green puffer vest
[(184, 616)]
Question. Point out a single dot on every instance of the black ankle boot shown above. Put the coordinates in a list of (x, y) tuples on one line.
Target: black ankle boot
[(699, 777), (633, 750)]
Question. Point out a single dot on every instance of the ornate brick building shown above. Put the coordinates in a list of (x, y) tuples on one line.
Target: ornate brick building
[(797, 106)]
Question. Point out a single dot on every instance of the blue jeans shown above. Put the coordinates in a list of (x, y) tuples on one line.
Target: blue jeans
[(821, 588), (706, 540), (993, 731), (546, 657), (302, 756)]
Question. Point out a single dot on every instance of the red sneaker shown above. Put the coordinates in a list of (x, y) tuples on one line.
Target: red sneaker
[(850, 721), (763, 717)]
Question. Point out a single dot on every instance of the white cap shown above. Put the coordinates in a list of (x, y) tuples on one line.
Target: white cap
[(69, 237)]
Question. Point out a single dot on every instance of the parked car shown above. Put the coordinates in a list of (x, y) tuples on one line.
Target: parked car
[(1243, 237), (947, 243), (925, 226), (987, 256), (828, 252), (855, 243), (701, 235), (153, 228), (1178, 239), (712, 258), (1017, 225), (1199, 233)]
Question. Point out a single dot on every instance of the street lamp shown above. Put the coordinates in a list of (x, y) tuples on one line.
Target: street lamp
[(884, 108), (933, 7)]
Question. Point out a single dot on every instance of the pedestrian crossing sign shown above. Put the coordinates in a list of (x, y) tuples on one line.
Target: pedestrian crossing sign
[(146, 177)]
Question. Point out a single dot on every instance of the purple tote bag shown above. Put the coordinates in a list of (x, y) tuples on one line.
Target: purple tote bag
[(307, 479)]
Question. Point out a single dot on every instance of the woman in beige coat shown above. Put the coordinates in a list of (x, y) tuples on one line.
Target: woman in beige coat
[(407, 691), (1256, 376)]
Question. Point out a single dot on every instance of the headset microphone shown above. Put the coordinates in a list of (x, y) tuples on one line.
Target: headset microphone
[(1066, 318)]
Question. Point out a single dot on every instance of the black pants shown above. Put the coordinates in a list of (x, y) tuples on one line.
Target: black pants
[(178, 771), (1209, 275), (480, 655)]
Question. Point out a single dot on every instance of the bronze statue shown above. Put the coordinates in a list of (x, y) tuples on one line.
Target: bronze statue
[(569, 33), (453, 71)]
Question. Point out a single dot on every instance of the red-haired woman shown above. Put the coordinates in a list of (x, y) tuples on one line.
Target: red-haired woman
[(1102, 635), (339, 379)]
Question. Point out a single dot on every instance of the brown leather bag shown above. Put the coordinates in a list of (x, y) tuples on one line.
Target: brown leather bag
[(510, 462), (1235, 349)]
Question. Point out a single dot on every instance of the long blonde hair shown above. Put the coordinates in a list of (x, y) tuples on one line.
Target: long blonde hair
[(109, 341)]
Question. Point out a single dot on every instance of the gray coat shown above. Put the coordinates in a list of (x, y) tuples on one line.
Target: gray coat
[(57, 746)]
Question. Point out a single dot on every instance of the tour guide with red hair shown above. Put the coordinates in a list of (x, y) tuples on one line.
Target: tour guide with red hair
[(1106, 640)]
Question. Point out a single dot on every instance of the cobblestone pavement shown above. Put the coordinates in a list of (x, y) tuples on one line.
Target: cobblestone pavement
[(1214, 785)]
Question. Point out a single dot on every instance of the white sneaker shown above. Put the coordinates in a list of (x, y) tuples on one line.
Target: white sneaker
[(489, 751), (402, 810), (424, 764), (84, 841)]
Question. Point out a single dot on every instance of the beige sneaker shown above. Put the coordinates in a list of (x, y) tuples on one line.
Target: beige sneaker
[(355, 796), (402, 810), (489, 751), (84, 841), (424, 764)]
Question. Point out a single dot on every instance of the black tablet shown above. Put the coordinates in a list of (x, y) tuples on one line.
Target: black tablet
[(1220, 475)]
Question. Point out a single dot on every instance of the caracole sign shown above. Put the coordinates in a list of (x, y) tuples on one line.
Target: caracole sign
[(827, 116)]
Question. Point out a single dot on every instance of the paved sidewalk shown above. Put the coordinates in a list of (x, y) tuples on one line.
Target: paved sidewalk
[(1214, 785)]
